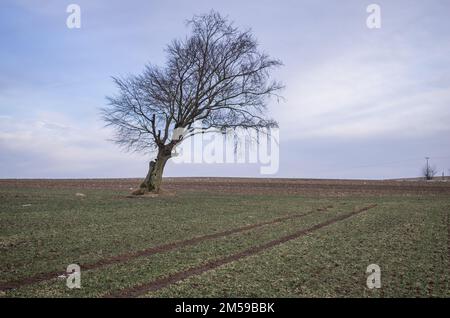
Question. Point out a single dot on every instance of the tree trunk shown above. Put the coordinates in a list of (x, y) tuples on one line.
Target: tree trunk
[(152, 182)]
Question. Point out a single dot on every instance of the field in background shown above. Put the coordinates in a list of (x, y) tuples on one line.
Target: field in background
[(225, 237)]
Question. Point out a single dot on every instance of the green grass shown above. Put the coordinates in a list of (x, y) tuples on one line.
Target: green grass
[(406, 236)]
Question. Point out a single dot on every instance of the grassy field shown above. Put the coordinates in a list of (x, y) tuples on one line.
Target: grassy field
[(200, 241)]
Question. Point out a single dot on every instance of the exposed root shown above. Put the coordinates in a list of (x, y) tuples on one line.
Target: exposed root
[(144, 193), (140, 191)]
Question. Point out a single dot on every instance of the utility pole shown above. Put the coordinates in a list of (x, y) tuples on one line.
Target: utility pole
[(427, 170)]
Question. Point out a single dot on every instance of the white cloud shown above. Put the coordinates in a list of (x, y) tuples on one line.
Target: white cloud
[(64, 147), (365, 93)]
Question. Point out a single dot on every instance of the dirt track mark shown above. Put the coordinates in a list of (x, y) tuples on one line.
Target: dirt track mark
[(152, 250), (448, 246), (176, 277)]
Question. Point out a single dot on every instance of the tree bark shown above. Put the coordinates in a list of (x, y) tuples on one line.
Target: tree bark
[(152, 182)]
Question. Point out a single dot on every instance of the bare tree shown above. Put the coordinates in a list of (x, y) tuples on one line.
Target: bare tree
[(429, 172), (216, 77)]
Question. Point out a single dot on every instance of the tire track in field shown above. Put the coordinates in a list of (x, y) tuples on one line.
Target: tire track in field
[(179, 276), (151, 251), (448, 251)]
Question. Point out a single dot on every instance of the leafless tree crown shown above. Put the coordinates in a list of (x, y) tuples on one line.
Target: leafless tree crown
[(429, 172), (217, 77)]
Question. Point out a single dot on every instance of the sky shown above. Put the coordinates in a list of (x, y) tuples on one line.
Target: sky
[(360, 103)]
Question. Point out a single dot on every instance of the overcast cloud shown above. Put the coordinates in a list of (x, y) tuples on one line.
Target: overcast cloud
[(360, 103)]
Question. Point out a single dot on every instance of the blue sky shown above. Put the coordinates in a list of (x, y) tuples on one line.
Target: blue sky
[(360, 103)]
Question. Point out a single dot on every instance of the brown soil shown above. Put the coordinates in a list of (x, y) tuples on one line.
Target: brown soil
[(256, 186), (176, 277)]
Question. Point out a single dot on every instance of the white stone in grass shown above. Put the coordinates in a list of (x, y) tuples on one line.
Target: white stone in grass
[(78, 194)]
